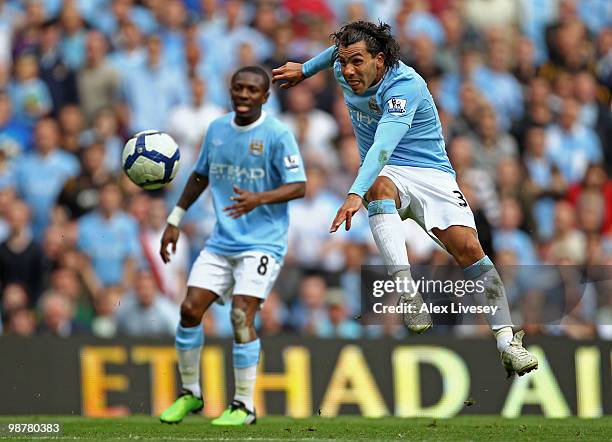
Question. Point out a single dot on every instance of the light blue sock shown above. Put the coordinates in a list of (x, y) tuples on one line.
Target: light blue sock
[(189, 337), (388, 233), (381, 207), (480, 267), (189, 342), (493, 295), (246, 357)]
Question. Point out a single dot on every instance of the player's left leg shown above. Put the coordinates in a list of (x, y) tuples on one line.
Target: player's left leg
[(463, 244), (254, 273), (245, 356), (386, 226)]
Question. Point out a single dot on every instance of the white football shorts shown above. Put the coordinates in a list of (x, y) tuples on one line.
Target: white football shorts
[(248, 273), (430, 197)]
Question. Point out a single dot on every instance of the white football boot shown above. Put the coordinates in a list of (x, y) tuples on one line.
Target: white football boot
[(415, 322), (516, 359)]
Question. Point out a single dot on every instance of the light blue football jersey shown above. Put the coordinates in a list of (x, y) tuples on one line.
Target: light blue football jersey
[(398, 113), (259, 157)]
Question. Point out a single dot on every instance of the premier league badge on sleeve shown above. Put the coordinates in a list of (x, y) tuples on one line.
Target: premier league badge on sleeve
[(292, 162), (396, 106)]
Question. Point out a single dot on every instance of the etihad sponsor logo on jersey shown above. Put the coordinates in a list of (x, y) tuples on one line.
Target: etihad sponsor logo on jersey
[(256, 148), (361, 117), (396, 106), (232, 172)]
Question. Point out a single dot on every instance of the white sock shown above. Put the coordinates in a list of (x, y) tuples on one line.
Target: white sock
[(492, 294), (189, 368), (388, 233), (245, 385), (504, 337)]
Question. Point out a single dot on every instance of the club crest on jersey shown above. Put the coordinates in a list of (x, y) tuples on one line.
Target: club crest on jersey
[(256, 147), (396, 106), (292, 162), (373, 105)]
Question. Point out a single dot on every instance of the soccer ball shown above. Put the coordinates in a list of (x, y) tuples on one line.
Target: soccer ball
[(151, 159)]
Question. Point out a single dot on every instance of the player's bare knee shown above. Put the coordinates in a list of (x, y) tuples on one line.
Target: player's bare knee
[(470, 251), (379, 193), (240, 324), (382, 189), (191, 314)]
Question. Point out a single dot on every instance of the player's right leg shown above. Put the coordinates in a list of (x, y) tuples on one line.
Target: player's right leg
[(386, 227), (189, 342)]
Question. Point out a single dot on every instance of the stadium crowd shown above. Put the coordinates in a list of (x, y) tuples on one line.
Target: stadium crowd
[(523, 91)]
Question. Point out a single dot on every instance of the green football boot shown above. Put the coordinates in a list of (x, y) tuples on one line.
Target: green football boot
[(236, 414), (185, 404)]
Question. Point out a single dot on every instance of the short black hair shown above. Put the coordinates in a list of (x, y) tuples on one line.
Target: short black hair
[(377, 37), (257, 70)]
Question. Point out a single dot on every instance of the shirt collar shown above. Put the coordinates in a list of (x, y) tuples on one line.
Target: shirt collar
[(375, 86), (248, 127)]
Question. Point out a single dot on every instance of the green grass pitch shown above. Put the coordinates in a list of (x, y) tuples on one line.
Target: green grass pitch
[(477, 428)]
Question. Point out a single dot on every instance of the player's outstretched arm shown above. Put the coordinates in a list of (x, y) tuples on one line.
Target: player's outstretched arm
[(193, 189), (386, 139), (245, 201), (292, 73)]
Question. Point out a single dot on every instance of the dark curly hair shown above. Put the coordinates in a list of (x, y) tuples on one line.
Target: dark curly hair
[(377, 38)]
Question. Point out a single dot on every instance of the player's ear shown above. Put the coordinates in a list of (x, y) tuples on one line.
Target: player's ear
[(380, 60), (266, 96)]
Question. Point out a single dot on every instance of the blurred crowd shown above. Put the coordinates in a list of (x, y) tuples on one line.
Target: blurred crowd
[(523, 91)]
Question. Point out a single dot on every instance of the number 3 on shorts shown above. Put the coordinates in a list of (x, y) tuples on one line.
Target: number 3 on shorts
[(463, 202), (262, 268)]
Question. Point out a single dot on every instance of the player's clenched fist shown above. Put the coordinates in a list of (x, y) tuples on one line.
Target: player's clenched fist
[(290, 73), (170, 236)]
